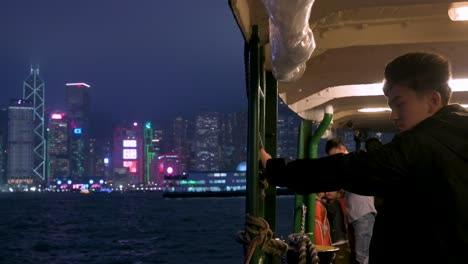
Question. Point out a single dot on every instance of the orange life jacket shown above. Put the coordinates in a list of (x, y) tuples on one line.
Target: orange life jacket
[(322, 226)]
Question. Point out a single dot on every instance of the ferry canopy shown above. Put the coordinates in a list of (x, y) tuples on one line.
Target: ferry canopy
[(352, 41)]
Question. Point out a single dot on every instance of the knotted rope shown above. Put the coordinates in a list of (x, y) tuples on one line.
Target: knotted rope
[(305, 248), (263, 185), (258, 233)]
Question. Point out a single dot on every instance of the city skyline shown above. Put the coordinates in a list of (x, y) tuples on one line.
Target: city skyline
[(140, 59)]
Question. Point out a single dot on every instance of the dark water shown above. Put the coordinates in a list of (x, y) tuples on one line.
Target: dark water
[(135, 228)]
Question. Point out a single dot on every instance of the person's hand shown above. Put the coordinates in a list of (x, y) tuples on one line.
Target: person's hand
[(264, 157)]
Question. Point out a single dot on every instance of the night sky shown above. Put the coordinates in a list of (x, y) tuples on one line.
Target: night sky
[(145, 59)]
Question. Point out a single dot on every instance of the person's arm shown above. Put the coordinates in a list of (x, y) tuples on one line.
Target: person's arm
[(264, 157), (358, 172)]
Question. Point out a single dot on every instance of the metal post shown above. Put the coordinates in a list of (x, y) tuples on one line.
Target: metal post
[(253, 91)]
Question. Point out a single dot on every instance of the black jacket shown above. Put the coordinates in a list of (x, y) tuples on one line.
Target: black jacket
[(422, 175)]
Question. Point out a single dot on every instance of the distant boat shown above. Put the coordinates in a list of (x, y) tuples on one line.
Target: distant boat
[(174, 193), (209, 184), (85, 191)]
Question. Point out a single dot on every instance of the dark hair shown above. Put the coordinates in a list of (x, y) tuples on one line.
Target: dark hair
[(373, 143), (420, 72), (333, 143)]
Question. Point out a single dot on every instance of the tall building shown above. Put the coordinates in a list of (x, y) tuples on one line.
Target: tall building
[(149, 151), (206, 143), (129, 152), (20, 146), (234, 140), (104, 155), (167, 168), (288, 129), (159, 142), (58, 159), (181, 141), (3, 143), (34, 91), (77, 97)]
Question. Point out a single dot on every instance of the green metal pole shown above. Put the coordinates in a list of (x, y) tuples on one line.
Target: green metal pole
[(261, 114), (252, 201), (271, 125), (326, 121), (310, 198), (305, 131)]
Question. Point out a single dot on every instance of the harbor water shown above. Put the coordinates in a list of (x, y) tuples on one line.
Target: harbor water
[(121, 228)]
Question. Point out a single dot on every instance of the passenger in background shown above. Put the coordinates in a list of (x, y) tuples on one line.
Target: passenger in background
[(322, 226), (360, 211), (337, 212)]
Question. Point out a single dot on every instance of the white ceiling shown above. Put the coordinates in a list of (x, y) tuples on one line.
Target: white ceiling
[(354, 40)]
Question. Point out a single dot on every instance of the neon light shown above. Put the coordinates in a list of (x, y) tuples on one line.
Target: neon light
[(130, 154), (170, 170), (77, 131), (131, 165), (129, 143), (56, 116), (78, 85)]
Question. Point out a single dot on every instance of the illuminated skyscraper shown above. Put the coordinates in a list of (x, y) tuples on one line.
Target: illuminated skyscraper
[(128, 152), (181, 143), (34, 91), (288, 129), (59, 163), (77, 98), (3, 142), (206, 143), (168, 169), (20, 162), (159, 142), (234, 140)]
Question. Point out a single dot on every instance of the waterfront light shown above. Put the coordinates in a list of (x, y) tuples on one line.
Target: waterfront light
[(170, 170)]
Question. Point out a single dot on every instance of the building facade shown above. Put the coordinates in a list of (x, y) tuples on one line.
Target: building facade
[(58, 158), (77, 97), (206, 146), (182, 141), (20, 146), (128, 154)]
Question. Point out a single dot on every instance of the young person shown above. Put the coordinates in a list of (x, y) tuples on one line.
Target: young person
[(422, 174), (360, 210)]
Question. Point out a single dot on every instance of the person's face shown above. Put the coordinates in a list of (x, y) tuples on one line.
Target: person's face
[(341, 149), (408, 108)]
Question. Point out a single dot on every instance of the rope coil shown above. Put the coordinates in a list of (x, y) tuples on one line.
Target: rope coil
[(258, 233), (301, 245)]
